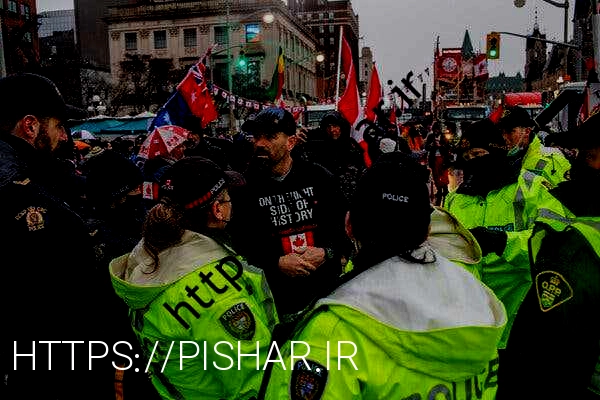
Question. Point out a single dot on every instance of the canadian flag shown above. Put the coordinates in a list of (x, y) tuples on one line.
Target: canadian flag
[(480, 66), (150, 190), (297, 243)]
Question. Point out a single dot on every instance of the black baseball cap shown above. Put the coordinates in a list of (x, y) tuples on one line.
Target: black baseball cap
[(193, 182), (25, 93), (271, 121), (587, 135), (391, 204), (515, 116)]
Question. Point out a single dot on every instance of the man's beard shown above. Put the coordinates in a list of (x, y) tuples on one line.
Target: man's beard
[(42, 142)]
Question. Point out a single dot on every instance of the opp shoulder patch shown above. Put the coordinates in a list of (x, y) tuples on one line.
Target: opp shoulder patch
[(308, 381), (552, 290), (239, 322)]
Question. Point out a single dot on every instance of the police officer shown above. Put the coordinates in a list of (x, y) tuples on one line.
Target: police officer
[(51, 292), (554, 332), (195, 304), (408, 323), (526, 148), (498, 202)]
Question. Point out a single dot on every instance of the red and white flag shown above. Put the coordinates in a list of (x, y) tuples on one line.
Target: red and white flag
[(374, 96), (349, 102), (150, 190), (480, 66), (297, 243)]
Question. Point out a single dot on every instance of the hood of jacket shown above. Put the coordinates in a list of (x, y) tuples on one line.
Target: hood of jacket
[(336, 118), (451, 239), (138, 283), (433, 318)]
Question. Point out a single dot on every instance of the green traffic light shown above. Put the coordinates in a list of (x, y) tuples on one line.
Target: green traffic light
[(242, 63), (493, 53)]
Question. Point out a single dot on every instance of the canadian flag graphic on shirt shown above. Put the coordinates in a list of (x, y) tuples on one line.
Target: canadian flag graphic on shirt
[(150, 190), (298, 242)]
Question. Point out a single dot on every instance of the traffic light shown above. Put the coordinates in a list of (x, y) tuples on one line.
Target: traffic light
[(241, 62), (493, 46)]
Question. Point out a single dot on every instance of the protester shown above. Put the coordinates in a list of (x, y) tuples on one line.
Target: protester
[(185, 285), (199, 144), (332, 147), (291, 221), (498, 201), (408, 323), (440, 157), (554, 321), (51, 291), (115, 212), (525, 147)]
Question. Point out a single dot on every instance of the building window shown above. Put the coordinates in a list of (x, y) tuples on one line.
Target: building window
[(221, 36), (321, 15), (252, 33), (12, 6), (332, 41), (28, 37), (189, 37), (322, 41), (331, 15), (27, 11), (308, 17), (160, 39), (331, 28), (130, 41), (321, 29)]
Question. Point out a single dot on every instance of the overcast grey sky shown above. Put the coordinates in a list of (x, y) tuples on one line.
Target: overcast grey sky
[(402, 33)]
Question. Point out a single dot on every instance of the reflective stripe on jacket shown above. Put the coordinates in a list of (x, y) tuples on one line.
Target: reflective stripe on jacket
[(511, 209)]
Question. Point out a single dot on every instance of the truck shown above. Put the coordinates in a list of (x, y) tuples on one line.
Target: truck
[(563, 113), (312, 114), (462, 114)]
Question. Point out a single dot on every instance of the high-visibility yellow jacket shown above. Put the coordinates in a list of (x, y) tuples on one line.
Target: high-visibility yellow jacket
[(399, 330), (511, 209), (193, 328), (548, 162)]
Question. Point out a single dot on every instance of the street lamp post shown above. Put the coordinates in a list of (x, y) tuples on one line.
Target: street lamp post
[(229, 76)]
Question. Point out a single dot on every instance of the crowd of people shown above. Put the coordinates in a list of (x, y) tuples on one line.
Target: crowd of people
[(294, 263)]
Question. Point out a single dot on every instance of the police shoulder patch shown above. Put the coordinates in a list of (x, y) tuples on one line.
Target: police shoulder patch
[(33, 217), (239, 322), (552, 290), (308, 380)]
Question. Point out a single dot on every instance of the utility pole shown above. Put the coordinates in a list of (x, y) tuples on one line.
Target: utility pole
[(2, 60), (229, 68), (596, 35)]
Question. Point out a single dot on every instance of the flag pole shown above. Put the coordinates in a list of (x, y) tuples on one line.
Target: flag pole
[(339, 65)]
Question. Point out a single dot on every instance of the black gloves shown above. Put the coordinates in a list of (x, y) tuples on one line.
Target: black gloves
[(489, 241)]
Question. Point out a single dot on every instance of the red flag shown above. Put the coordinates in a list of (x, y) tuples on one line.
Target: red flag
[(349, 102), (584, 110), (497, 114), (393, 115), (374, 96), (481, 69), (448, 65), (197, 96)]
